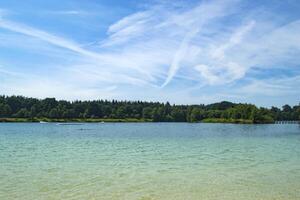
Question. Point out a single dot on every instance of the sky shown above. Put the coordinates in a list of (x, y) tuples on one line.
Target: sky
[(181, 51)]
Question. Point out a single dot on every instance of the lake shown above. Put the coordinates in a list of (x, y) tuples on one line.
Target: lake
[(145, 161)]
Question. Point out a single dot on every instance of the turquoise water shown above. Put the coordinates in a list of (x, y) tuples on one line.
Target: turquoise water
[(149, 161)]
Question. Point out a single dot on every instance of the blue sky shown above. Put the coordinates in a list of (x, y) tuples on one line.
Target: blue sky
[(184, 52)]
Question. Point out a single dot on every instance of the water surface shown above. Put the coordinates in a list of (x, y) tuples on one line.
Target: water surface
[(149, 161)]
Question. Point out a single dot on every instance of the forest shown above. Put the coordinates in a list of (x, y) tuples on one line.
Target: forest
[(50, 109)]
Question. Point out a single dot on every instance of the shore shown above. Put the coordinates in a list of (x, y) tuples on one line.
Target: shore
[(97, 120), (91, 120)]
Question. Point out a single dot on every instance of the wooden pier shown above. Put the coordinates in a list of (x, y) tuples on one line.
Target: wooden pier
[(287, 122)]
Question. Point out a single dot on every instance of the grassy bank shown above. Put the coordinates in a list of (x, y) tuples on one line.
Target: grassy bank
[(72, 120), (222, 120), (97, 120)]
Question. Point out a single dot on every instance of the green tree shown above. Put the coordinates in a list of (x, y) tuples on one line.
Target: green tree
[(18, 106), (5, 110), (54, 113), (197, 114), (178, 115), (22, 113), (147, 113)]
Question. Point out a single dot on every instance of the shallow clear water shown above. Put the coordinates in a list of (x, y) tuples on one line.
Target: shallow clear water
[(149, 161)]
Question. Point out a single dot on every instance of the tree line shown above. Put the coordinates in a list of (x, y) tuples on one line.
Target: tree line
[(23, 107)]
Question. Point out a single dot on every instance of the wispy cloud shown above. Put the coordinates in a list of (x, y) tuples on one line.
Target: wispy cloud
[(3, 71), (219, 68), (52, 39), (164, 46), (69, 12), (272, 87), (107, 60), (197, 17), (235, 39), (4, 12)]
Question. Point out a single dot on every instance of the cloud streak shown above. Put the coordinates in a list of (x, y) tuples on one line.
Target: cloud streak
[(201, 15), (164, 47), (42, 35)]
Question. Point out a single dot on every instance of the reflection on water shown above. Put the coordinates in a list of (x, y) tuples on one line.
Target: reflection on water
[(149, 161)]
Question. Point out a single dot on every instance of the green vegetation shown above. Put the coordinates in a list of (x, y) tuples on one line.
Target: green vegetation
[(223, 120), (23, 109), (72, 120)]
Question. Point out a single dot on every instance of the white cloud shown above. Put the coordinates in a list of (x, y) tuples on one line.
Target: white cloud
[(207, 74), (4, 12), (195, 19), (42, 35), (129, 27), (235, 39), (272, 87), (214, 43), (107, 60), (68, 12)]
